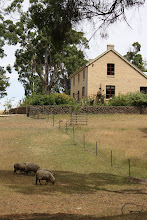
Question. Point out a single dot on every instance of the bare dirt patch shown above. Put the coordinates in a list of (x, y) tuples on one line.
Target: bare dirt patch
[(73, 196), (98, 204)]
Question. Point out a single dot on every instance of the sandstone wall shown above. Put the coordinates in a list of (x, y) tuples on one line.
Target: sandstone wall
[(87, 109), (19, 110)]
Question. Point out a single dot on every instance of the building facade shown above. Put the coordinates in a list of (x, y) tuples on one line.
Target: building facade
[(110, 73)]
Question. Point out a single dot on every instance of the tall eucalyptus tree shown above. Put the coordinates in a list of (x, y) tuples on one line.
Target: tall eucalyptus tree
[(48, 42)]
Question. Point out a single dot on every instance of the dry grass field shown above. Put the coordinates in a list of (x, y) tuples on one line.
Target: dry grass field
[(125, 135), (86, 186)]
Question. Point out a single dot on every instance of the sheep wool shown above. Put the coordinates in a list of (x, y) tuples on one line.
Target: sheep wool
[(31, 167), (20, 166), (44, 174)]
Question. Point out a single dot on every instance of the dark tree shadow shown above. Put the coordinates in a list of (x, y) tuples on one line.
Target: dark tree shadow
[(63, 216), (66, 182), (144, 130)]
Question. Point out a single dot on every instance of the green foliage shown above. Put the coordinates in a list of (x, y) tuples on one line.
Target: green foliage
[(3, 82), (138, 99), (98, 99), (75, 106), (9, 69), (8, 103), (135, 58), (39, 99), (131, 99), (120, 100), (3, 79), (51, 99), (73, 11), (72, 58), (49, 47), (61, 98)]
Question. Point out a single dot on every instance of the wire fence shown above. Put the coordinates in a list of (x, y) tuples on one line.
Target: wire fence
[(106, 155)]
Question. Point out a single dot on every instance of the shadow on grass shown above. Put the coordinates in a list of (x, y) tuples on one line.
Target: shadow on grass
[(144, 130), (66, 182), (63, 216)]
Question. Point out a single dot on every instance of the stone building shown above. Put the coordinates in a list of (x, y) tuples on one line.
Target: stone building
[(110, 73)]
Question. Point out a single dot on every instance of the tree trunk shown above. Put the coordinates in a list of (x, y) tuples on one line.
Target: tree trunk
[(47, 53)]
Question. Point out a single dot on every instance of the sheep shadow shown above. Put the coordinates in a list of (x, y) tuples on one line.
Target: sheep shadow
[(66, 182)]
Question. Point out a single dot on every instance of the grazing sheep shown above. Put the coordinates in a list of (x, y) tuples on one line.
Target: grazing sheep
[(20, 166), (44, 174), (31, 167), (49, 171)]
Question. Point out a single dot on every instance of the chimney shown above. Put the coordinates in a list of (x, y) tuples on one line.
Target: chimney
[(110, 46)]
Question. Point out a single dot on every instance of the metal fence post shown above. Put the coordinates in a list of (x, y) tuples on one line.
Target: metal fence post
[(111, 158), (96, 148), (66, 126), (53, 119), (73, 132), (84, 140), (129, 167)]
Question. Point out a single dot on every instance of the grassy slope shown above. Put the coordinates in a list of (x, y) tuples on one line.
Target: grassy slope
[(77, 170), (125, 135)]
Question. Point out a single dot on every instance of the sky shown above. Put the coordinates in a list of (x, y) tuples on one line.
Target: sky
[(120, 34)]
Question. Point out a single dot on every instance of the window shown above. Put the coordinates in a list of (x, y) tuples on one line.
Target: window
[(83, 91), (110, 91), (110, 69), (78, 96), (78, 78), (73, 95), (73, 81), (83, 74), (143, 90)]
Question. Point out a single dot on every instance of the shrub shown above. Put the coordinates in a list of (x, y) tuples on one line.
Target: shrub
[(131, 99), (61, 98), (75, 106), (138, 99), (35, 100), (120, 100), (52, 99)]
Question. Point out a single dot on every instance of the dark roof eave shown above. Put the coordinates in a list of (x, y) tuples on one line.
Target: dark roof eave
[(79, 70)]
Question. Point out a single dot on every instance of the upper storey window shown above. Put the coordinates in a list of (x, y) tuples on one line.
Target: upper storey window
[(83, 74), (110, 69), (78, 78), (73, 81)]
